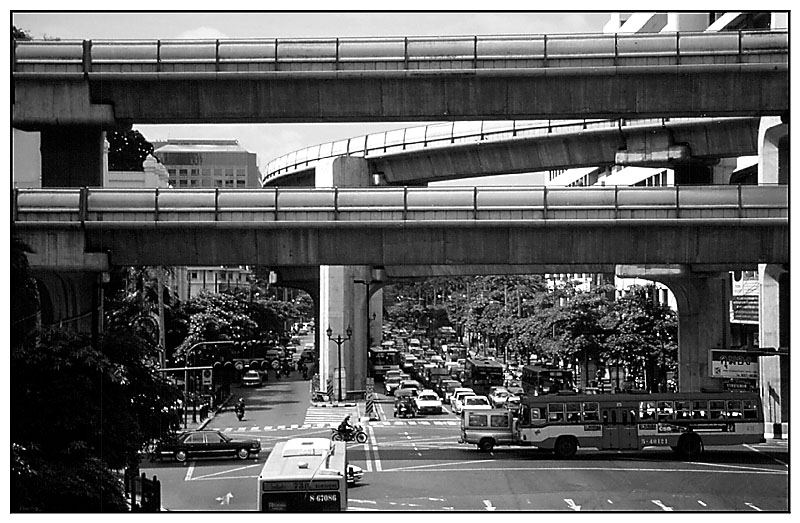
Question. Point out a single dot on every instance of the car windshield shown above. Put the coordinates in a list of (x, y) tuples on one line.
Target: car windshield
[(428, 397), (476, 401)]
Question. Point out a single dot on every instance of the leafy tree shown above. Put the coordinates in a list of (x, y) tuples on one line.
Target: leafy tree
[(20, 34), (81, 413), (25, 313), (644, 336), (127, 150)]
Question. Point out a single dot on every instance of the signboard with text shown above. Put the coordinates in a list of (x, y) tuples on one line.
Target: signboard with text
[(733, 364)]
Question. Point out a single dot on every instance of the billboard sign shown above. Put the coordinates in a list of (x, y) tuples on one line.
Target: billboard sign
[(733, 364)]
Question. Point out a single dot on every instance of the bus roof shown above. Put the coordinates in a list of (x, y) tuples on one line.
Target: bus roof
[(478, 362), (305, 458)]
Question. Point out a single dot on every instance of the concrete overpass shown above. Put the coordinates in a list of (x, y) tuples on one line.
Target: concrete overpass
[(718, 227), (74, 90), (458, 150)]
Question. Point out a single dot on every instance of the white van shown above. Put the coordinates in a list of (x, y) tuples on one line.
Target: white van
[(487, 428)]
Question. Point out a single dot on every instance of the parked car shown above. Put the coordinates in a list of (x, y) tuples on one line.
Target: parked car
[(252, 378), (475, 403), (428, 402), (207, 444)]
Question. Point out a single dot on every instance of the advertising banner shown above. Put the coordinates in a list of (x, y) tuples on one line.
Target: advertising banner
[(733, 364)]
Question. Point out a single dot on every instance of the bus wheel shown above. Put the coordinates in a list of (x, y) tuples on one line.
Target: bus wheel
[(486, 444), (180, 456), (566, 447), (690, 445), (242, 453)]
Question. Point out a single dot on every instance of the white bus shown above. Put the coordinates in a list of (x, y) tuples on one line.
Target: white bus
[(685, 422), (304, 475)]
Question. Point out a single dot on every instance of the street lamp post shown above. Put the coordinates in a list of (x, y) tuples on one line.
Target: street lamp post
[(339, 341)]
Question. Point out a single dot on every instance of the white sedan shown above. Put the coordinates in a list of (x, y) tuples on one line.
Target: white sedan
[(476, 403), (428, 402)]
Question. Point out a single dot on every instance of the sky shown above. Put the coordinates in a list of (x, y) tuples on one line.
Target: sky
[(269, 141)]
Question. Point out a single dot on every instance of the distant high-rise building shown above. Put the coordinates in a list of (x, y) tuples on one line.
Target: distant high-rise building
[(208, 163)]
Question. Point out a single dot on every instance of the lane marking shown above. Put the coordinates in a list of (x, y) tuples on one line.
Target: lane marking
[(753, 507), (488, 504), (658, 503), (454, 464), (738, 467), (571, 504), (376, 454), (213, 474), (765, 454), (701, 503), (189, 472)]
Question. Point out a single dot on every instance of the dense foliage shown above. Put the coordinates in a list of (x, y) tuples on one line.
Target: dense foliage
[(560, 325), (127, 150)]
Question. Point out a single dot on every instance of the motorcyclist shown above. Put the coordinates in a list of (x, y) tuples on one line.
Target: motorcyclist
[(346, 428)]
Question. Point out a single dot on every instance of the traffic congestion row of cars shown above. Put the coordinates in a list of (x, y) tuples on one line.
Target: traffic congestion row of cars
[(427, 382)]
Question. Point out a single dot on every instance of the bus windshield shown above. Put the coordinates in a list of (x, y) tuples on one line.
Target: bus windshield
[(382, 359), (545, 380)]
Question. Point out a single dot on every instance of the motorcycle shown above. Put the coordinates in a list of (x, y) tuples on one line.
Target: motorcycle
[(405, 410), (356, 434), (354, 474)]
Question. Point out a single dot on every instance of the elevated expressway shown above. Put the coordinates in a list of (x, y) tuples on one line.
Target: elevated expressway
[(716, 228), (508, 77), (456, 150)]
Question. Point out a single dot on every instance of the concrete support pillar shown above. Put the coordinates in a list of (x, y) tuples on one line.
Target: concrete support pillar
[(686, 22), (343, 302), (703, 324), (773, 307), (72, 156), (722, 171), (703, 318), (71, 300)]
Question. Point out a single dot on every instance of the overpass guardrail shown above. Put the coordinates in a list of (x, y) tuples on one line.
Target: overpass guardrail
[(400, 206), (382, 55)]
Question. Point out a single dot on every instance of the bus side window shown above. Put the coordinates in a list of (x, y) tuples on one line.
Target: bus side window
[(683, 410), (699, 409), (750, 408), (555, 412), (647, 410), (573, 412), (665, 410), (591, 412), (734, 410), (717, 409)]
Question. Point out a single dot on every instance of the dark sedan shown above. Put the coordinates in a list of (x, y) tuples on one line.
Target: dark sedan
[(208, 444)]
